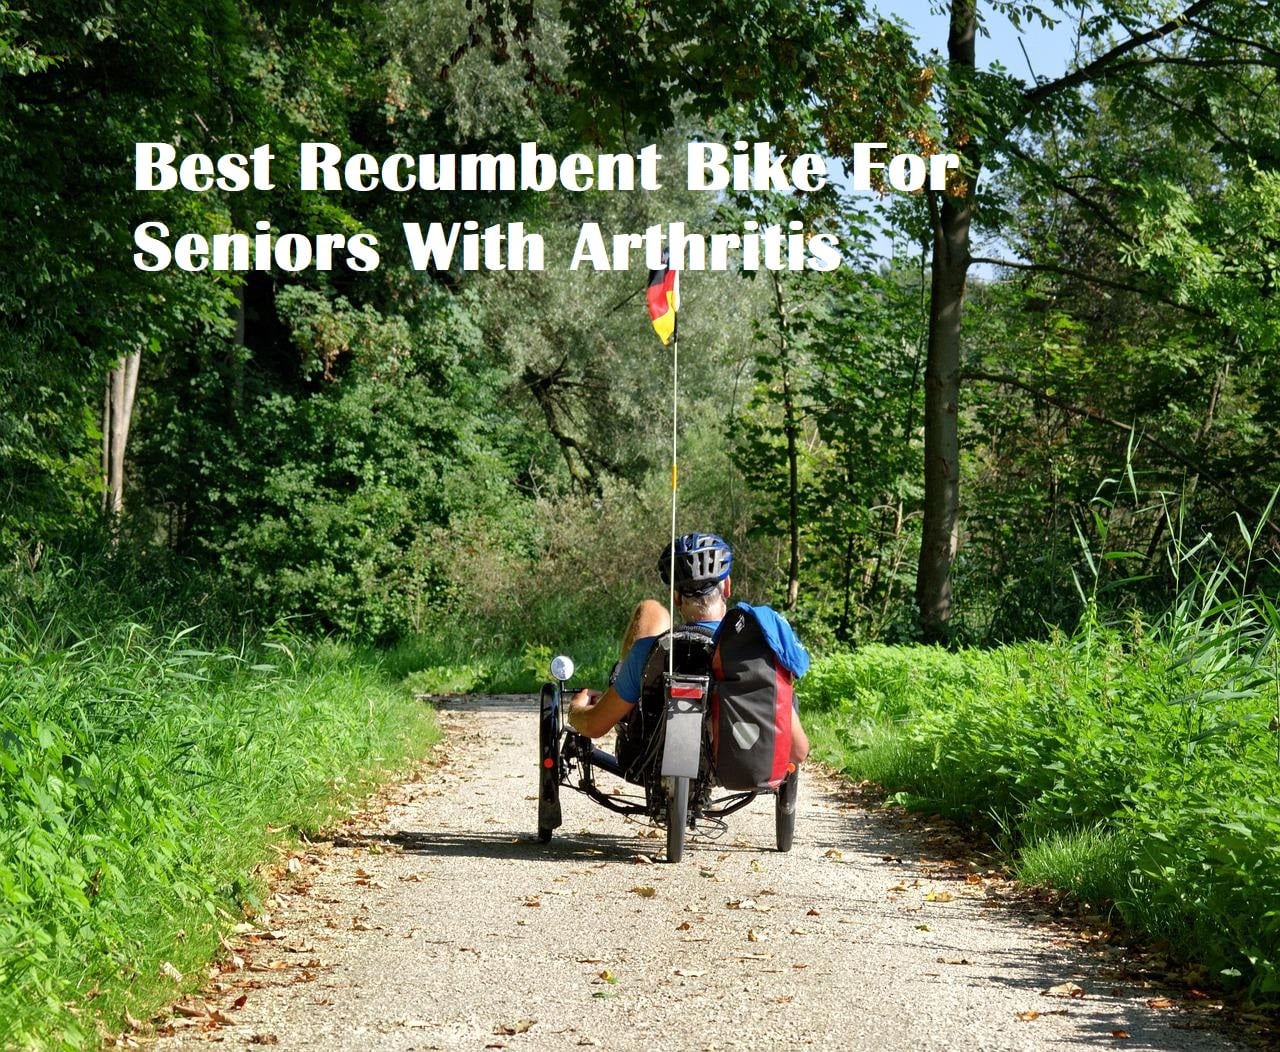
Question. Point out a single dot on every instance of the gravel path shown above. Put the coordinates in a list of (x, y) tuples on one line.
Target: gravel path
[(439, 922)]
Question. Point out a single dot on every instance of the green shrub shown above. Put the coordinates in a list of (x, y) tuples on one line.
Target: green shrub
[(1137, 766), (140, 773)]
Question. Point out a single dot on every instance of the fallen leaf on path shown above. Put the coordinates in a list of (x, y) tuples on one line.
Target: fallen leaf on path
[(834, 853), (813, 913), (1026, 1017), (1120, 1034), (607, 977), (1065, 990), (192, 1009), (753, 935), (973, 878), (923, 927), (264, 1039), (1160, 1002), (683, 926), (521, 1026), (939, 896), (642, 860), (533, 902), (645, 891), (239, 1002)]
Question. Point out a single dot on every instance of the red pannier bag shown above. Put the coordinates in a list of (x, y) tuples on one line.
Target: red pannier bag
[(751, 701)]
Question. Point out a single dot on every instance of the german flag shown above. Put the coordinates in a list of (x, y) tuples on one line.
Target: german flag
[(664, 299)]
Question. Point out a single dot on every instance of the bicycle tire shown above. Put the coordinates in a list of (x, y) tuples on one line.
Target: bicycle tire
[(784, 811), (677, 816), (549, 727)]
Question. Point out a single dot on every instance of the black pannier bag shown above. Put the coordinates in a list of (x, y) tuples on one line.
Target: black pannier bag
[(751, 701), (640, 733)]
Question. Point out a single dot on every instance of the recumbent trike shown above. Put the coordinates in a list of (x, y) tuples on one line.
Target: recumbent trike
[(691, 733)]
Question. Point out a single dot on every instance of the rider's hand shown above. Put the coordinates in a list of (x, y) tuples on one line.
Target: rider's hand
[(579, 705), (584, 699)]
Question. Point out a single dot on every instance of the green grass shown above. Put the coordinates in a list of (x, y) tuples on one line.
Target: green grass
[(454, 658), (1137, 766), (1092, 863), (143, 772)]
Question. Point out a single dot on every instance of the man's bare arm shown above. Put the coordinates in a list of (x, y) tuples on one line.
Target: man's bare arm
[(595, 715)]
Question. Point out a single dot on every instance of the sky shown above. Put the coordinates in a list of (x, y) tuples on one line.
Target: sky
[(1048, 52)]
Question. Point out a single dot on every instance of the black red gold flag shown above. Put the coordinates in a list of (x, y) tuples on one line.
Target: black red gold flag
[(664, 299)]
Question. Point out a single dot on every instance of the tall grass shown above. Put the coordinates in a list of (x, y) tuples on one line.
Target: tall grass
[(143, 770), (1136, 764)]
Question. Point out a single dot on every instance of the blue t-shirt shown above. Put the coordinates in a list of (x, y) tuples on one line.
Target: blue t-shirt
[(630, 676), (779, 634)]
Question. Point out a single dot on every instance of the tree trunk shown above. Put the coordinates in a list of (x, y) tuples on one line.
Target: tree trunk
[(791, 428), (117, 414), (940, 530)]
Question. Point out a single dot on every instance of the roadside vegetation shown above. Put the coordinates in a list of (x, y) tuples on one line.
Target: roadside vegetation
[(1135, 763), (145, 767)]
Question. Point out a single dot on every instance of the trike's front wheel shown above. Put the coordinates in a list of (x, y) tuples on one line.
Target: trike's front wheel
[(677, 816), (549, 761)]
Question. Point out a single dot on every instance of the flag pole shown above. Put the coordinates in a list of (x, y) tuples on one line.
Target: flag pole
[(675, 396), (663, 296)]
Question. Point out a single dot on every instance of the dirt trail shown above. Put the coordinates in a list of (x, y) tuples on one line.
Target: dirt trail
[(442, 923)]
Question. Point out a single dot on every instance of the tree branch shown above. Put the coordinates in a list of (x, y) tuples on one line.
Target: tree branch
[(1224, 135), (1092, 414), (1161, 59), (1050, 176), (1101, 65), (1231, 38), (1093, 279)]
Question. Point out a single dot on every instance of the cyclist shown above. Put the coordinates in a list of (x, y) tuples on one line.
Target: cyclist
[(702, 588)]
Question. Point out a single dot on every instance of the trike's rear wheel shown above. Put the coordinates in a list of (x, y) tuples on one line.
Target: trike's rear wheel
[(677, 816), (784, 810), (549, 728)]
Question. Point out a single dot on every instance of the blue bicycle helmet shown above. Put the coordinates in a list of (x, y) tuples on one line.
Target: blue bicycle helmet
[(702, 560)]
